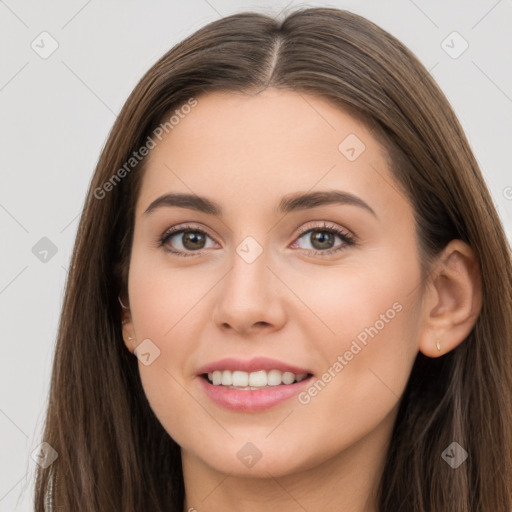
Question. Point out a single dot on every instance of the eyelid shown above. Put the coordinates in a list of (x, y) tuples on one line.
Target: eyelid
[(178, 229), (348, 238), (185, 227), (327, 225)]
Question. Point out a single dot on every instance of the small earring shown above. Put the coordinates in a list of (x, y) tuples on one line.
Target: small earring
[(121, 302), (130, 338), (438, 345)]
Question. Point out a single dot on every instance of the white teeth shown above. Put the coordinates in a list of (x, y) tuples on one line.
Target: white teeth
[(227, 378), (288, 377), (258, 379), (274, 377), (241, 379), (253, 380)]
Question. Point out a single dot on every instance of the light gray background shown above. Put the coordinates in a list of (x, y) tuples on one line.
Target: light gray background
[(56, 114)]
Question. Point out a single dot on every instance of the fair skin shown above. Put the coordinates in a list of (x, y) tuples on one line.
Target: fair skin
[(245, 152)]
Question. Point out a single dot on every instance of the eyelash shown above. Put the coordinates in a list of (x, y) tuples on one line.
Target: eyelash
[(347, 239)]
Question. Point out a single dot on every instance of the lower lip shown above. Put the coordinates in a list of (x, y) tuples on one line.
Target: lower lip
[(252, 400)]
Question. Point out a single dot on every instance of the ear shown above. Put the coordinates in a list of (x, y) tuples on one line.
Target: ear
[(452, 300), (129, 337)]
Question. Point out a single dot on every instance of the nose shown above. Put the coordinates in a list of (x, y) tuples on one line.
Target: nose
[(250, 298)]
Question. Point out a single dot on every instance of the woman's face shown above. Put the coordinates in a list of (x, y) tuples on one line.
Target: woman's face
[(324, 288)]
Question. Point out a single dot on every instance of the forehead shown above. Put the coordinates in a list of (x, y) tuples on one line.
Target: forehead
[(243, 148)]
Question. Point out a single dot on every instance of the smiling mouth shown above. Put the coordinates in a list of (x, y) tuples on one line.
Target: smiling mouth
[(261, 379)]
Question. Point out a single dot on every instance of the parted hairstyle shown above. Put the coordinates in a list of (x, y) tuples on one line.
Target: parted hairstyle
[(113, 453)]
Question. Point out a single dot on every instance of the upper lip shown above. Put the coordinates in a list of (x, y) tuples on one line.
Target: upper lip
[(251, 365)]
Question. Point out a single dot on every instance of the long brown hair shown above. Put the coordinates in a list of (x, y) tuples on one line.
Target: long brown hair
[(113, 454)]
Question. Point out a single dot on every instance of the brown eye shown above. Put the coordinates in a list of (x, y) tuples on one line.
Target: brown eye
[(193, 240), (323, 239), (185, 241)]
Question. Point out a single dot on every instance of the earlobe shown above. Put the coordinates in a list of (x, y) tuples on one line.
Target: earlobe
[(452, 301), (127, 327), (128, 336)]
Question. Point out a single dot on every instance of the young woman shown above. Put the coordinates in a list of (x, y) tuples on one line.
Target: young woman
[(290, 289)]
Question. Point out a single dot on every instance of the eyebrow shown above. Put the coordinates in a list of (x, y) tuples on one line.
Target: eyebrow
[(289, 203)]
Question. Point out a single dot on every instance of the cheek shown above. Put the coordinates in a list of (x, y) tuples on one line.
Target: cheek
[(162, 303), (367, 343), (363, 299), (163, 296), (361, 384)]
